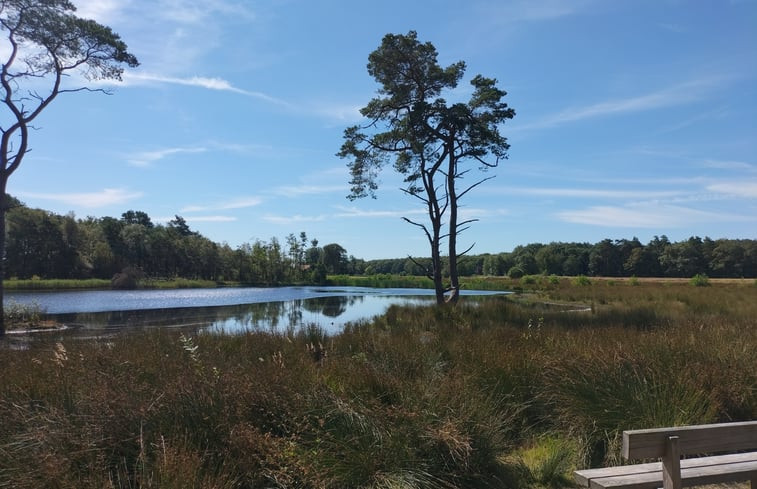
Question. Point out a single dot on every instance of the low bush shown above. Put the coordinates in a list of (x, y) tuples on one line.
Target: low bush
[(515, 272), (700, 280), (582, 280)]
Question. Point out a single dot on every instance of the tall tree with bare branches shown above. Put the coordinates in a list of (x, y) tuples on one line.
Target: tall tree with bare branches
[(431, 142), (46, 48)]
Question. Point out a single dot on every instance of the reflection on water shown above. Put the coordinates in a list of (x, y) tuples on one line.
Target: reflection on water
[(330, 313), (220, 310)]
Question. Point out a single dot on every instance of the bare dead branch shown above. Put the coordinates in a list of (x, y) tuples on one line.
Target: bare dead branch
[(474, 186), (429, 275)]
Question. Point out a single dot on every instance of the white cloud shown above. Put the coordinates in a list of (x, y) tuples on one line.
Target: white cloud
[(680, 94), (344, 212), (343, 113), (198, 11), (584, 193), (210, 219), (467, 213), (355, 212), (293, 219), (241, 203), (193, 208), (297, 190), (737, 189), (148, 157), (237, 203), (104, 198), (646, 215), (103, 11), (729, 165), (209, 83)]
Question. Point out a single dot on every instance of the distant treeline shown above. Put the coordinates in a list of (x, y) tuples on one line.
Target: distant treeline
[(47, 245), (721, 258), (50, 246)]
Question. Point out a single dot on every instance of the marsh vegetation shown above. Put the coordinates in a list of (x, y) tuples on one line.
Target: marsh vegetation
[(511, 392)]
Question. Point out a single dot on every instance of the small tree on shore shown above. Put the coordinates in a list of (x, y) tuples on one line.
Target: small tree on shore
[(44, 42), (429, 140)]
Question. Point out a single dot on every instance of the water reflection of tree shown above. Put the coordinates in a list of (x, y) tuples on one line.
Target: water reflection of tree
[(332, 307), (265, 316)]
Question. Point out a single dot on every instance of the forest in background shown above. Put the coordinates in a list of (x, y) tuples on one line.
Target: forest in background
[(46, 245)]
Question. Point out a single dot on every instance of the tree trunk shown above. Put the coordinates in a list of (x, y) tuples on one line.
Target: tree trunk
[(436, 263), (3, 210), (453, 276), (435, 215)]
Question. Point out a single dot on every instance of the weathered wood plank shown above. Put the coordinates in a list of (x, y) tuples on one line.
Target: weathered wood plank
[(719, 468), (650, 443), (695, 476), (584, 476)]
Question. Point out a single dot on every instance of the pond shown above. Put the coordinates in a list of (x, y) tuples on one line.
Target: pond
[(222, 310)]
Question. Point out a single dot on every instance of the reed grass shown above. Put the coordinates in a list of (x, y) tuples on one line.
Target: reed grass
[(55, 284), (507, 392), (96, 283)]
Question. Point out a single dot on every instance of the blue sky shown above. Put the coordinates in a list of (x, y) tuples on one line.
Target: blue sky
[(634, 118)]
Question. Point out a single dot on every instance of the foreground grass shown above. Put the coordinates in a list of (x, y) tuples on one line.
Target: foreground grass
[(507, 393)]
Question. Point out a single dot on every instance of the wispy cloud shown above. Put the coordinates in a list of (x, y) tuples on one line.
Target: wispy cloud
[(343, 213), (237, 203), (198, 11), (146, 158), (646, 215), (210, 218), (241, 203), (585, 193), (298, 190), (467, 213), (298, 218), (103, 11), (680, 94), (209, 83), (174, 11), (352, 212), (745, 189), (729, 165), (345, 113), (192, 219), (92, 200)]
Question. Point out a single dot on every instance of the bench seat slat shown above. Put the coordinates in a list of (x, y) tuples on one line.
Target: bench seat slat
[(694, 471)]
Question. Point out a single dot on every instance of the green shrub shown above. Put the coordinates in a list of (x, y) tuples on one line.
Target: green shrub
[(528, 280), (515, 272), (700, 280), (582, 280), (634, 281)]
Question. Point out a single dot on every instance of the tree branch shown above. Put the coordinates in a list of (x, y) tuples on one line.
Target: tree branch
[(474, 186)]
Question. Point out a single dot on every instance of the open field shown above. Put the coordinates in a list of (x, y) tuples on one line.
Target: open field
[(511, 392)]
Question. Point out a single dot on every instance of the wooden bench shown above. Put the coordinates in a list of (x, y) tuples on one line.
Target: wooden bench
[(669, 444)]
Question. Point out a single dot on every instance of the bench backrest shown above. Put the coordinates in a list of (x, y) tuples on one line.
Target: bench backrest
[(710, 438)]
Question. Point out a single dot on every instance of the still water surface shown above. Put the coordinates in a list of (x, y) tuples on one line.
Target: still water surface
[(228, 310)]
